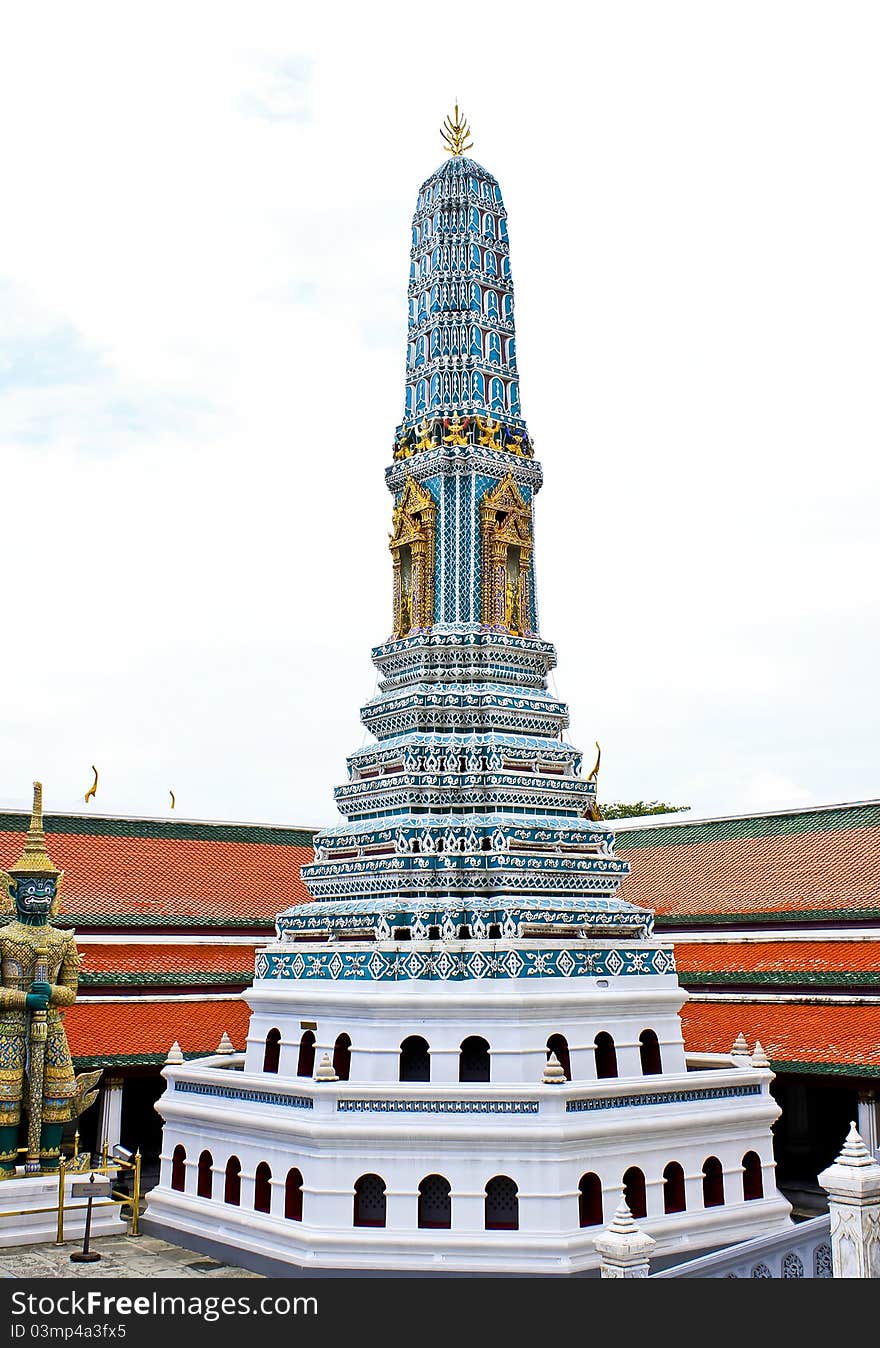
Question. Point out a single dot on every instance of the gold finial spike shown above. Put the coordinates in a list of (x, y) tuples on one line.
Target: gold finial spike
[(171, 794), (455, 132), (594, 775), (93, 789), (35, 860)]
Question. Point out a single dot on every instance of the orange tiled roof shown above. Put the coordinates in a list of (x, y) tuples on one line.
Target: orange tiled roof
[(118, 1032), (183, 958), (777, 956), (799, 1034), (139, 872), (817, 862)]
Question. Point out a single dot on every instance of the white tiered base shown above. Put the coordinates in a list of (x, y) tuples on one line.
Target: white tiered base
[(29, 1209)]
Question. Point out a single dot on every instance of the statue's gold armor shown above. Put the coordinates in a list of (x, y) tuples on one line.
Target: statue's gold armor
[(18, 946), (39, 970)]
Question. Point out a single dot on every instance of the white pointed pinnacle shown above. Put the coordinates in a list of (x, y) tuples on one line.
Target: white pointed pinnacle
[(759, 1057), (175, 1055), (740, 1046), (554, 1072), (325, 1071), (623, 1222), (624, 1246), (854, 1152), (226, 1045)]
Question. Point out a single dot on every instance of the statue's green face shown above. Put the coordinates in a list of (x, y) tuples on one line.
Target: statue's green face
[(33, 898)]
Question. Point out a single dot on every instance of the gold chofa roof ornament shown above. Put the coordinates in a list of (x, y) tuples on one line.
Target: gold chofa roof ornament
[(455, 132), (35, 860)]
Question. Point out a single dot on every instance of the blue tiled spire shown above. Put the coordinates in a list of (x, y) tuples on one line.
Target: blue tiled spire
[(461, 348), (470, 808)]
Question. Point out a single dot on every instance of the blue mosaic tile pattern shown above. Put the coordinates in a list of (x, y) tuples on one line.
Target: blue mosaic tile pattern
[(446, 965), (242, 1093), (589, 1103), (437, 1106)]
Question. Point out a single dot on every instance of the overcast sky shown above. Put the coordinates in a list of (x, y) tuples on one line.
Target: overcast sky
[(204, 248)]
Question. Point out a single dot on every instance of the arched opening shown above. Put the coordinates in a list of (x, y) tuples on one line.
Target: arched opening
[(369, 1201), (263, 1188), (205, 1183), (305, 1066), (634, 1191), (502, 1204), (232, 1186), (649, 1052), (415, 1059), (272, 1051), (178, 1168), (342, 1057), (473, 1060), (713, 1183), (606, 1055), (753, 1178), (558, 1044), (293, 1196), (590, 1200), (435, 1202), (673, 1188)]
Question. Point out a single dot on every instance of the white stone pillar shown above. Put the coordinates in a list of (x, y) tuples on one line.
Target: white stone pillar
[(110, 1115), (624, 1250), (853, 1187), (869, 1122)]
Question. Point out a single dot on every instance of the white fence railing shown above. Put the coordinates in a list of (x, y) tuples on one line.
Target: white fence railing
[(804, 1251)]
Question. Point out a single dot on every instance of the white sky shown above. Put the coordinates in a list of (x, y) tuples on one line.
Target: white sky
[(204, 245)]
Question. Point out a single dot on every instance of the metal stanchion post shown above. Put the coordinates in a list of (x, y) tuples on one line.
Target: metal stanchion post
[(134, 1229), (59, 1234), (85, 1255)]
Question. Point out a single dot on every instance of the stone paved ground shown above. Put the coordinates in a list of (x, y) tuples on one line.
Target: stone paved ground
[(121, 1257)]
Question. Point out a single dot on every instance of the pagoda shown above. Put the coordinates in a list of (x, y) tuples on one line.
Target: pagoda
[(467, 1045)]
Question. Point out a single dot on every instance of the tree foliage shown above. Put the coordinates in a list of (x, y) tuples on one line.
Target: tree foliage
[(620, 810)]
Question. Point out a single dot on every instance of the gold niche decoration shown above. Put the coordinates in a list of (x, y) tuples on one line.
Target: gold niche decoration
[(506, 552), (454, 431), (455, 132), (489, 432), (414, 529), (425, 433)]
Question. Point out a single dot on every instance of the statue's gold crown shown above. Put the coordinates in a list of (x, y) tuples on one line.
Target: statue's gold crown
[(35, 860)]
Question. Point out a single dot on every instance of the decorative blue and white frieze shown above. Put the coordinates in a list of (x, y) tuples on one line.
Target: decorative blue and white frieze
[(588, 1103), (398, 964), (379, 1106), (244, 1094)]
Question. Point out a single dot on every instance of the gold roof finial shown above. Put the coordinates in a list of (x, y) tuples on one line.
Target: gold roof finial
[(455, 132), (35, 860)]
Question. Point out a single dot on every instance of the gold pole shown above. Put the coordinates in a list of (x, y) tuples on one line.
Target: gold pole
[(105, 1154), (59, 1234), (76, 1144), (37, 1049), (134, 1229)]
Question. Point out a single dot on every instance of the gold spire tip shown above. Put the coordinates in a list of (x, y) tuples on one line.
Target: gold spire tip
[(455, 132)]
